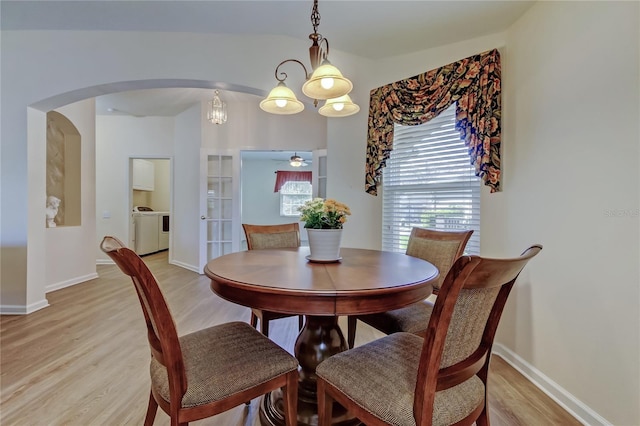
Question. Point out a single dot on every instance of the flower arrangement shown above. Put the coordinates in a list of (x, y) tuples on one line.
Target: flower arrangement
[(324, 214)]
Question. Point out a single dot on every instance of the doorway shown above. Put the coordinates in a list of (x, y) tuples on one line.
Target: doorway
[(260, 203), (150, 205)]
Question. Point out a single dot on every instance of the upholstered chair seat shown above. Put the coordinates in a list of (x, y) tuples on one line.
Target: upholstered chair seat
[(381, 378), (216, 360), (412, 319), (441, 248)]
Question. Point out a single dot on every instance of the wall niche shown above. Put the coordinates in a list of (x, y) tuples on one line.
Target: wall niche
[(63, 202)]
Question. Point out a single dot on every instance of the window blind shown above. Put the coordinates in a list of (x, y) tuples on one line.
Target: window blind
[(429, 182), (294, 194)]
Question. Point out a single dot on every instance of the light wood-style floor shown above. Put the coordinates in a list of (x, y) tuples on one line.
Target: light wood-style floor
[(84, 360)]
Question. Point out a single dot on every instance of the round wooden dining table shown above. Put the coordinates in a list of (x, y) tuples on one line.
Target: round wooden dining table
[(284, 281)]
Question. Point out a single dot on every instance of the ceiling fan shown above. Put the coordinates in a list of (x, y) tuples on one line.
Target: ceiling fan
[(297, 161)]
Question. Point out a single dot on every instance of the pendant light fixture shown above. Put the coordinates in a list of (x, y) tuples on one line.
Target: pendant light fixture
[(217, 113), (326, 82), (339, 107)]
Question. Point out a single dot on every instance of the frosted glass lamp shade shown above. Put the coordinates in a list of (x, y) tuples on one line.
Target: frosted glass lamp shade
[(281, 100), (326, 82), (342, 106)]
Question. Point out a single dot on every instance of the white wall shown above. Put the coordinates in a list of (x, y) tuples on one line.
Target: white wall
[(69, 254), (182, 138), (570, 163), (571, 182), (250, 128), (125, 60), (37, 238), (118, 139), (186, 183), (570, 157), (60, 253)]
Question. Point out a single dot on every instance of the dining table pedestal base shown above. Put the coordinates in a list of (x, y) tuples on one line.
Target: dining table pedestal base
[(272, 412), (319, 339)]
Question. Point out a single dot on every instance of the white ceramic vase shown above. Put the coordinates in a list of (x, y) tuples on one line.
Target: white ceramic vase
[(324, 244)]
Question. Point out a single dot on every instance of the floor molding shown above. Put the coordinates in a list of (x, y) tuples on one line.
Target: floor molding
[(69, 283), (565, 399), (186, 266), (23, 309), (171, 262)]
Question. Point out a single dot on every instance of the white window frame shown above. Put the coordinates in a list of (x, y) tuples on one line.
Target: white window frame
[(287, 193), (428, 182)]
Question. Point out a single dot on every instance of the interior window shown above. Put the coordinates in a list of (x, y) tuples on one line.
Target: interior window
[(429, 182), (293, 195)]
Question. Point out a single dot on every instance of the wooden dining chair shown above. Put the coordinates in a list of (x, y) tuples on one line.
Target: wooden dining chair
[(286, 235), (441, 379), (212, 370), (441, 248)]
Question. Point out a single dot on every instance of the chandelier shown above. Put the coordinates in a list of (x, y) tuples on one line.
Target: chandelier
[(326, 82), (217, 113)]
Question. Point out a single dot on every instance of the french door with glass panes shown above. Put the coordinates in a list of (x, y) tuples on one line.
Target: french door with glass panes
[(319, 176), (219, 204)]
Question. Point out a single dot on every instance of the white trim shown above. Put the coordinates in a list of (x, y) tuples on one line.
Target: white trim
[(22, 309), (192, 268), (187, 266), (583, 413), (69, 283)]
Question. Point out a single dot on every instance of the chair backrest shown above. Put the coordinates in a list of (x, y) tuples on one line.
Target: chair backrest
[(463, 323), (441, 248), (161, 329), (286, 235)]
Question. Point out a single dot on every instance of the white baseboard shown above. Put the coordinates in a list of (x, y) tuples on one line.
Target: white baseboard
[(171, 262), (566, 400), (69, 283), (186, 266), (23, 309)]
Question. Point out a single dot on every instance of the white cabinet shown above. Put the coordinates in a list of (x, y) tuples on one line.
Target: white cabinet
[(143, 175)]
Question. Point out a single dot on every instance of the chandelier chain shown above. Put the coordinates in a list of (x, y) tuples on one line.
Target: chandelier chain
[(315, 17)]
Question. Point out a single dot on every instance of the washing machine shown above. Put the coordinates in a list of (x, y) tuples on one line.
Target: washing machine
[(151, 230)]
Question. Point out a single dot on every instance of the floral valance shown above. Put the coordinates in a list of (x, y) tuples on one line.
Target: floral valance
[(473, 83), (284, 176)]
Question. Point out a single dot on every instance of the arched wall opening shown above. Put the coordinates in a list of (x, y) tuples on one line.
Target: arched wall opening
[(82, 102)]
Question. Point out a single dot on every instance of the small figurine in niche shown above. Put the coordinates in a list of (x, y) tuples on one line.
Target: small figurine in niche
[(52, 210)]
